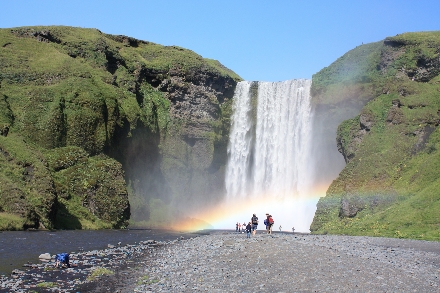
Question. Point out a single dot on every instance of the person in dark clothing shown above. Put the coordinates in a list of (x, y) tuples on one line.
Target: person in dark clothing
[(267, 223), (254, 221), (248, 230)]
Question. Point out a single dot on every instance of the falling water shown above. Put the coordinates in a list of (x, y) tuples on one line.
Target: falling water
[(270, 143), (239, 148)]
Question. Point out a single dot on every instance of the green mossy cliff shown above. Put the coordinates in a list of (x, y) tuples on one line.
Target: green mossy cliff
[(390, 184), (90, 120)]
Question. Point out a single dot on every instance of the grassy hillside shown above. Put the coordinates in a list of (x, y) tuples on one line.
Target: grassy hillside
[(74, 104), (389, 186)]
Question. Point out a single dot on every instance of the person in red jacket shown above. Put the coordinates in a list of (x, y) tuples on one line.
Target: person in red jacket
[(270, 222)]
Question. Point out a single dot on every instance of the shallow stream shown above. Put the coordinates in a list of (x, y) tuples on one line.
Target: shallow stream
[(20, 247)]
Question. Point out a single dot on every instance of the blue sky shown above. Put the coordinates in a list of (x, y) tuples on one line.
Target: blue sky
[(259, 40)]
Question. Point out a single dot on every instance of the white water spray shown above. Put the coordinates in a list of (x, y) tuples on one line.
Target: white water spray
[(269, 151)]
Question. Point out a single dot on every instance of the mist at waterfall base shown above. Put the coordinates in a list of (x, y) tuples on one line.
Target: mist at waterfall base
[(288, 212), (269, 166)]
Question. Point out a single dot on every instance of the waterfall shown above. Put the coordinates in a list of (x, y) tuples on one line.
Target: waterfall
[(239, 147), (269, 146)]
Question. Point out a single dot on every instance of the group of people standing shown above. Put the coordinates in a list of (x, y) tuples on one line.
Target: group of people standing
[(239, 227), (269, 223), (251, 227)]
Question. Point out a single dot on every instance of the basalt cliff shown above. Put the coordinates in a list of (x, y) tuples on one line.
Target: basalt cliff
[(97, 129)]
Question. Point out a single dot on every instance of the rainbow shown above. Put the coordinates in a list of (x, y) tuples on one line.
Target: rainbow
[(289, 211)]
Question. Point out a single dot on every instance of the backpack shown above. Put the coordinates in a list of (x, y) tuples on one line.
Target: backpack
[(255, 220), (271, 221), (62, 257)]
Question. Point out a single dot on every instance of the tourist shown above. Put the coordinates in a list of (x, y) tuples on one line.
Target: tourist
[(266, 222), (270, 223), (243, 227), (280, 228), (293, 229), (248, 230), (62, 260), (236, 227), (254, 221)]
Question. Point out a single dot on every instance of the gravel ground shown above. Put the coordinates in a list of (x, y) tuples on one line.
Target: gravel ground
[(229, 262)]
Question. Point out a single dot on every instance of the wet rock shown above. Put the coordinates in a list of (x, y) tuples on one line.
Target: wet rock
[(17, 272), (45, 257)]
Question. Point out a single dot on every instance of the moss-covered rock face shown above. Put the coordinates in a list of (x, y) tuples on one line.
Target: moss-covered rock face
[(388, 186), (91, 190), (84, 101), (26, 185)]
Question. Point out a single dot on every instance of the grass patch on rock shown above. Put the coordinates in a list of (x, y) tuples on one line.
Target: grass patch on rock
[(99, 272), (46, 285)]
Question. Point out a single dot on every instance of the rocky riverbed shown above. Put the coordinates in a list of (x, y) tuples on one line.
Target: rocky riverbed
[(229, 262), (88, 269)]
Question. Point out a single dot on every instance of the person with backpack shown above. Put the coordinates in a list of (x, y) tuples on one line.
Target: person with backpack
[(270, 222), (62, 259), (254, 221), (248, 230)]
